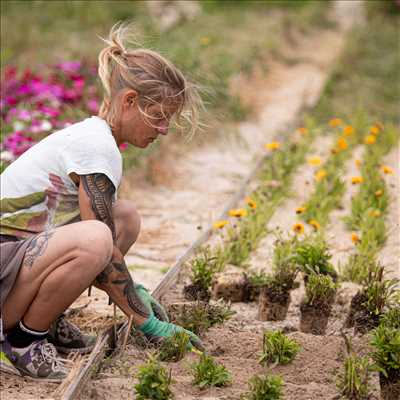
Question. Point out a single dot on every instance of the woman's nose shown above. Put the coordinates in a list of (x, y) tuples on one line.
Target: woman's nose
[(163, 128)]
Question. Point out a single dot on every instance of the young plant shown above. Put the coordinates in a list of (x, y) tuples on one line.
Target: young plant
[(174, 348), (386, 341), (154, 382), (199, 317), (320, 289), (207, 372), (278, 348), (312, 256), (391, 318), (265, 387), (353, 382)]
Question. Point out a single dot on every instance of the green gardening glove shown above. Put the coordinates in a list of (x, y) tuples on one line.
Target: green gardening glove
[(156, 330), (152, 305)]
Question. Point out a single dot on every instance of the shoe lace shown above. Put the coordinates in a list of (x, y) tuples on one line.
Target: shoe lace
[(50, 355)]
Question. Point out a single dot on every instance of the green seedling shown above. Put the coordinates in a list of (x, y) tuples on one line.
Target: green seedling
[(386, 354), (278, 348), (353, 381), (207, 372), (203, 268), (379, 292), (320, 289), (391, 318), (154, 382), (174, 348), (268, 387), (312, 256), (203, 316)]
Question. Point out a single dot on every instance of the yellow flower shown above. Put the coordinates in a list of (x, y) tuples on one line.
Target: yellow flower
[(298, 228), (358, 163), (205, 40), (370, 139), (220, 224), (342, 144), (250, 202), (348, 130), (321, 174), (386, 169), (237, 212), (314, 161), (315, 224), (379, 193), (300, 210), (375, 213), (355, 238), (335, 122), (374, 130), (357, 179), (302, 131), (272, 146)]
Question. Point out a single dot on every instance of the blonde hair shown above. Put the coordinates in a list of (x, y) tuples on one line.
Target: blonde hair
[(153, 77)]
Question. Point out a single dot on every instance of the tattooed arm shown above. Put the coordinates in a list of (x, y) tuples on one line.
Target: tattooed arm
[(96, 193)]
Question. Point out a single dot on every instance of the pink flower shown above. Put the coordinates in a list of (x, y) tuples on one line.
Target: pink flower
[(123, 146), (93, 106), (69, 66)]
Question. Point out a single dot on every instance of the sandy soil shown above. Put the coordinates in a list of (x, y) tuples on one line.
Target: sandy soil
[(203, 181)]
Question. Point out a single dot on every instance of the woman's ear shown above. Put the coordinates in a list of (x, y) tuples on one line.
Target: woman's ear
[(130, 98)]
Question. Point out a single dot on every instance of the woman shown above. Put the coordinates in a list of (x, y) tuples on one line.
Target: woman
[(47, 259)]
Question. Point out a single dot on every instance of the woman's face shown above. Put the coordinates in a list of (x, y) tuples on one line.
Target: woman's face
[(138, 129)]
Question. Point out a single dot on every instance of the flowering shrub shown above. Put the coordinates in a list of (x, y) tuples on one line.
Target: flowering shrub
[(34, 104)]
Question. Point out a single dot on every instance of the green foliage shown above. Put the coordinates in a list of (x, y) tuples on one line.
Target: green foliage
[(379, 292), (357, 267), (154, 382), (353, 381), (203, 316), (320, 289), (203, 268), (391, 318), (207, 372), (268, 387), (386, 355), (312, 256), (278, 348), (174, 348)]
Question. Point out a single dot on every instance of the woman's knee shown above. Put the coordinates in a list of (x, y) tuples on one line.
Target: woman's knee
[(96, 243), (127, 218)]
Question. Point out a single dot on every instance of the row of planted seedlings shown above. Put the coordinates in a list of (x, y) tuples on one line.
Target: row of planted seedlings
[(200, 315), (370, 205)]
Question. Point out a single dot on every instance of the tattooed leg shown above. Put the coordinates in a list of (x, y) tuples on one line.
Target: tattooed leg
[(36, 248), (73, 256)]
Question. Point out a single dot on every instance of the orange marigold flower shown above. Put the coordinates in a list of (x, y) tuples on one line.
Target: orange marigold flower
[(358, 163), (348, 130), (357, 179), (379, 193), (300, 210), (250, 202), (272, 146), (374, 130), (315, 224), (302, 131), (375, 213), (237, 212), (298, 228), (342, 144), (321, 174), (387, 170), (355, 238), (334, 122), (370, 139), (314, 161), (220, 224)]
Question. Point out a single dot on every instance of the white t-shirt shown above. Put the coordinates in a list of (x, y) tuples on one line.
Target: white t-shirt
[(36, 191)]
